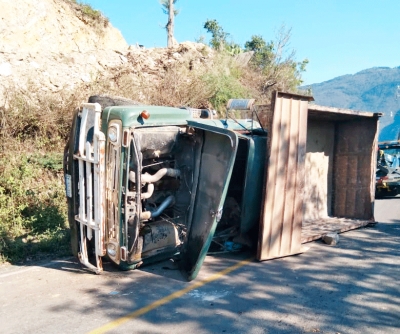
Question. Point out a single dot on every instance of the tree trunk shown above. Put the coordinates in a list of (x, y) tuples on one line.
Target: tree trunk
[(170, 24)]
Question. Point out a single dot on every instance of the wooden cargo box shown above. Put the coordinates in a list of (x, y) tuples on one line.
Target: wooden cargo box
[(320, 173)]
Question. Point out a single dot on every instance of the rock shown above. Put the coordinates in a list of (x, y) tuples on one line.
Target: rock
[(176, 55), (86, 77), (34, 64), (123, 58), (331, 239), (5, 69)]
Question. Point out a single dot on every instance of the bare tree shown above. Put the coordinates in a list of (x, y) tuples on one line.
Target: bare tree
[(168, 8)]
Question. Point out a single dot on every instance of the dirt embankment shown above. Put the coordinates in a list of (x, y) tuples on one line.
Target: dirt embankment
[(58, 45)]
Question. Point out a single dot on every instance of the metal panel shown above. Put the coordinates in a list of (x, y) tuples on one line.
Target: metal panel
[(240, 104), (218, 155), (281, 219)]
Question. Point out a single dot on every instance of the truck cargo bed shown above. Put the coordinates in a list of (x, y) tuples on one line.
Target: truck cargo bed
[(321, 165)]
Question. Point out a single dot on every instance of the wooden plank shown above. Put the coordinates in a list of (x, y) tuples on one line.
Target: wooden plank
[(315, 229), (290, 178), (353, 171), (282, 147), (351, 188), (265, 238), (338, 111), (339, 177), (300, 178)]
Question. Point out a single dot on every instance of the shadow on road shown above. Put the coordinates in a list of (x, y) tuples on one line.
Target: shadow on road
[(348, 288)]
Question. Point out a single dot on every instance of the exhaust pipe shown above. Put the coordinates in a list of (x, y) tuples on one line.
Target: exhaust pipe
[(147, 178), (146, 215)]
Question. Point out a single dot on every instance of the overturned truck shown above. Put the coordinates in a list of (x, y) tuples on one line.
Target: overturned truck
[(146, 183)]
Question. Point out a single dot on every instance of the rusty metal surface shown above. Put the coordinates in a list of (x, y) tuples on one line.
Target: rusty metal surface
[(280, 226)]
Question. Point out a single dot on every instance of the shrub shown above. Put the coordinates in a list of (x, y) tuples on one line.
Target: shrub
[(86, 13), (34, 128), (32, 206)]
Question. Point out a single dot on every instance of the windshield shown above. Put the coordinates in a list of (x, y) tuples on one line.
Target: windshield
[(389, 157)]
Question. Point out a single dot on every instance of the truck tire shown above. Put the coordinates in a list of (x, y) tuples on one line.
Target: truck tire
[(111, 101)]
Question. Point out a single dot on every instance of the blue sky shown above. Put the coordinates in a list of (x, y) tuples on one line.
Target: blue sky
[(338, 37)]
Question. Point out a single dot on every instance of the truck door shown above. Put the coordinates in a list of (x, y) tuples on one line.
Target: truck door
[(215, 168)]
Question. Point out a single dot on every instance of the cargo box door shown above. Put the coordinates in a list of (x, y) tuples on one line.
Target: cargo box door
[(282, 214), (215, 164)]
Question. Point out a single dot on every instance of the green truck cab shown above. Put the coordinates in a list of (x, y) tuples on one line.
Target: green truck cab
[(146, 183)]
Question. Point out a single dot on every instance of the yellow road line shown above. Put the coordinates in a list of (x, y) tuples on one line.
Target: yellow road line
[(177, 294)]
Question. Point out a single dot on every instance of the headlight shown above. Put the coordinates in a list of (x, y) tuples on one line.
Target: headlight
[(111, 250), (113, 133)]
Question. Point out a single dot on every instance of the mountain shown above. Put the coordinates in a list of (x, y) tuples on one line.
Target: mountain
[(374, 89)]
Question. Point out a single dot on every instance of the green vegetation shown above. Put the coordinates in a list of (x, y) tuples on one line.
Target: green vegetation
[(32, 208), (273, 61), (86, 13), (219, 36), (89, 11), (33, 130)]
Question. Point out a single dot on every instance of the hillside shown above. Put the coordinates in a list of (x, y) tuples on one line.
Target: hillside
[(53, 44), (61, 47), (374, 89)]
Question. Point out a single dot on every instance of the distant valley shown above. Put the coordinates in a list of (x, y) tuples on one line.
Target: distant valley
[(375, 89)]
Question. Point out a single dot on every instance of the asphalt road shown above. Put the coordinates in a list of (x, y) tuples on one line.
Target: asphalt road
[(352, 287)]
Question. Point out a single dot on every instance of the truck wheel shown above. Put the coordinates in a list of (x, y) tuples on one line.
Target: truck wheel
[(111, 101)]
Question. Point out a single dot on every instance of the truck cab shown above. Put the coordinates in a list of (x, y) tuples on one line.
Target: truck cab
[(147, 183)]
